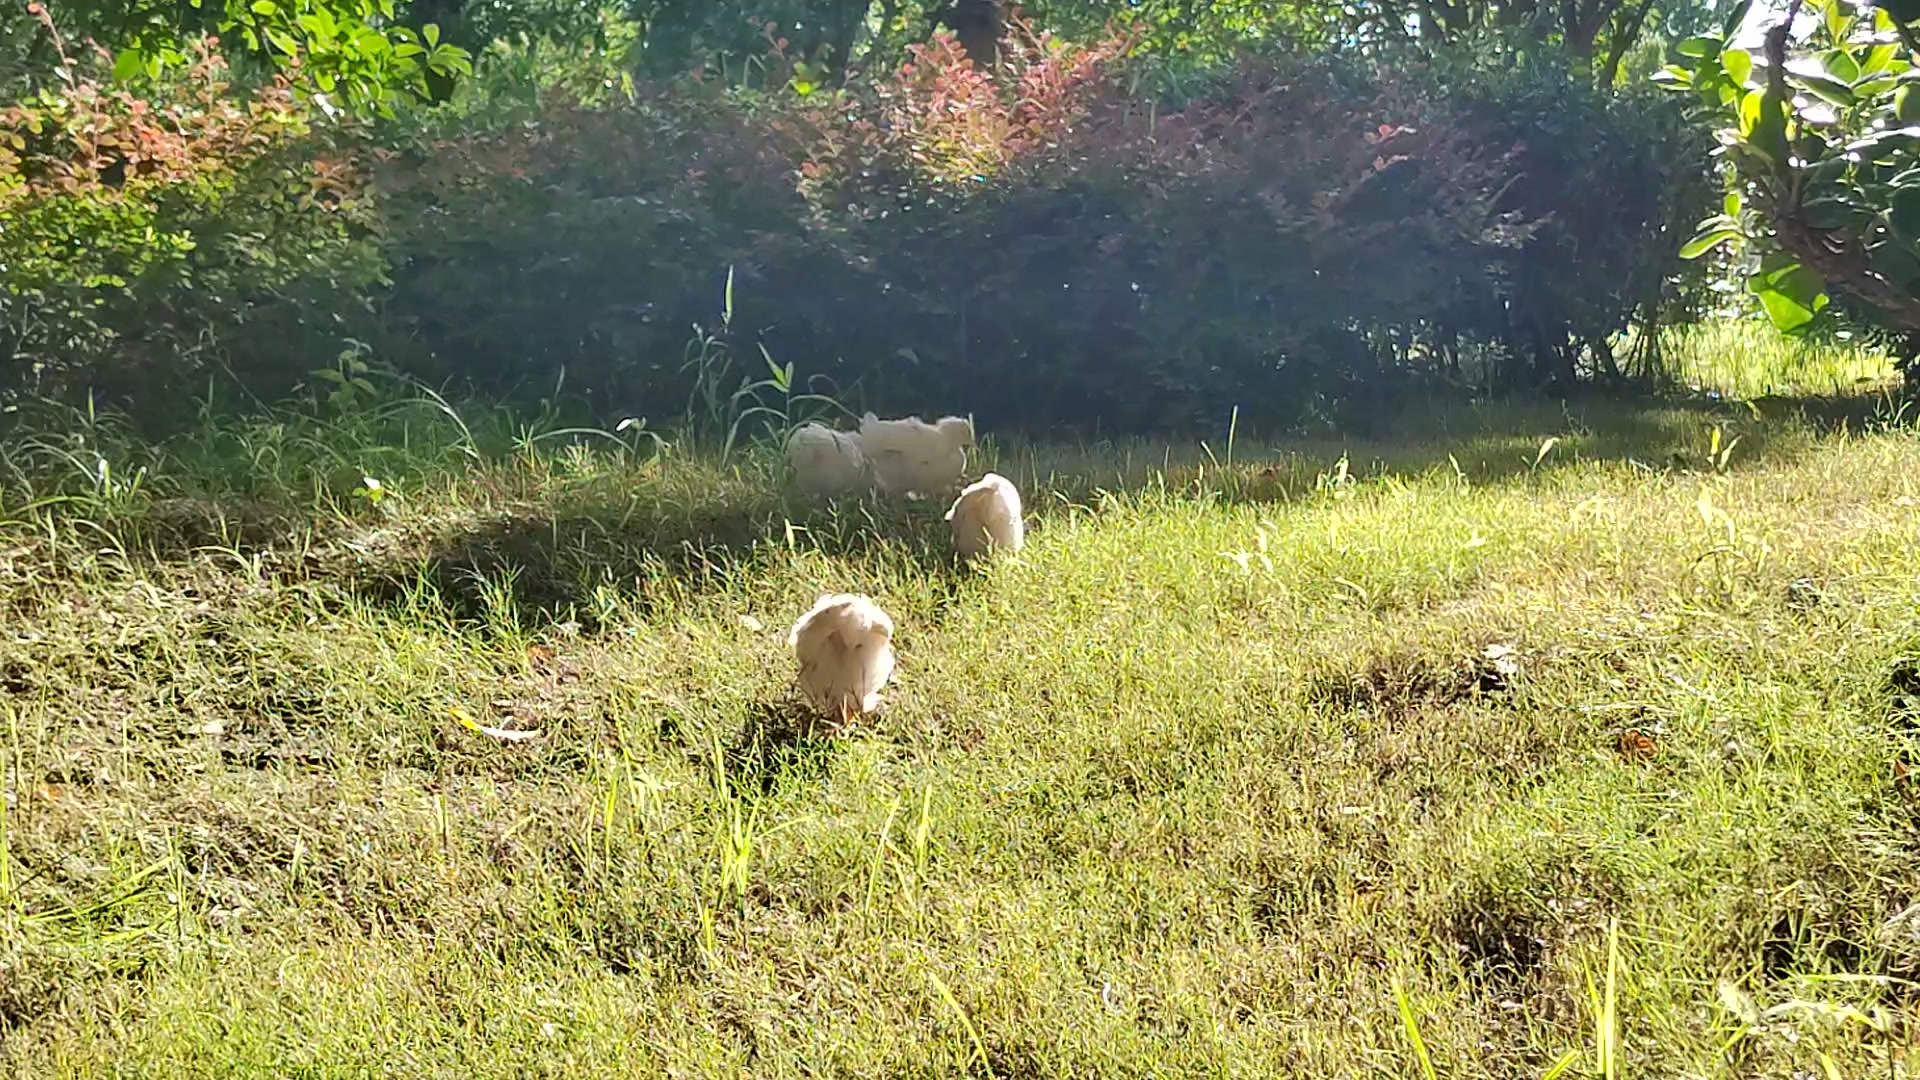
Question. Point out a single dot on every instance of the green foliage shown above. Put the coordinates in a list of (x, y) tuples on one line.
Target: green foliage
[(1044, 245), (1196, 31), (727, 404), (1052, 240), (1608, 174), (679, 37), (350, 49), (583, 239), (829, 36), (356, 55), (1823, 159), (150, 237)]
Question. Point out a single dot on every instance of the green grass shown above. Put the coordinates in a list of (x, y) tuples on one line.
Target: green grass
[(1217, 778), (1750, 360)]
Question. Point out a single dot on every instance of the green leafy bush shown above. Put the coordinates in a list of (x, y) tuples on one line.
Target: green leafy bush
[(1610, 177), (151, 237), (580, 244), (1821, 127), (1045, 245), (364, 56), (1131, 267)]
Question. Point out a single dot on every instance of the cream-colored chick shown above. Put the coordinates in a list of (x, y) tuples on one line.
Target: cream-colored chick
[(845, 648), (986, 517), (827, 462), (911, 455)]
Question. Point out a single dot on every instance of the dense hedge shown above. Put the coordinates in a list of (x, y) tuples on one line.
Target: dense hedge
[(1051, 246)]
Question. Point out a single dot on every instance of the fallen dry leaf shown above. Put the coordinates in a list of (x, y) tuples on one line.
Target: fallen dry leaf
[(1636, 745)]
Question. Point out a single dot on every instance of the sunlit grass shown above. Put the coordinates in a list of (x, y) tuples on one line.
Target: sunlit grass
[(1750, 359), (1520, 739)]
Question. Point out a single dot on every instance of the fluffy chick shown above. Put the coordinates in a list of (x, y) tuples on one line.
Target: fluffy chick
[(827, 462), (986, 517), (913, 456), (845, 649)]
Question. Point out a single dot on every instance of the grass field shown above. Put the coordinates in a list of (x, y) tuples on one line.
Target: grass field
[(1260, 760), (1741, 360)]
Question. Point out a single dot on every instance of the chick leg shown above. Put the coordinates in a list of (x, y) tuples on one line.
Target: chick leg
[(848, 711)]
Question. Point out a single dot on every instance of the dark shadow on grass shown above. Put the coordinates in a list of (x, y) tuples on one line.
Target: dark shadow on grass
[(654, 545), (177, 528), (1489, 442), (780, 743), (657, 551), (550, 566)]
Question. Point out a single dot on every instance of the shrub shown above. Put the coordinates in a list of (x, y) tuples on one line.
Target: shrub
[(150, 237), (583, 243), (1610, 177), (1107, 260), (1136, 268), (1822, 156), (1044, 246)]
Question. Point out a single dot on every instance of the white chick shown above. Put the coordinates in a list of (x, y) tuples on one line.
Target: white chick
[(845, 648), (825, 461), (986, 517), (913, 456)]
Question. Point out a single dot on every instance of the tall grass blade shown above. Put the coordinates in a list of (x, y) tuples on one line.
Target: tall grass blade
[(1566, 1062), (966, 1022), (1607, 1038), (1412, 1028)]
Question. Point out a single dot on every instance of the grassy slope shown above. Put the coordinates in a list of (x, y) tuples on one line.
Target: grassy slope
[(1182, 791)]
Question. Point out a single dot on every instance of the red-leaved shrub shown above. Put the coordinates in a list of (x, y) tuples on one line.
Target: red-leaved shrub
[(1042, 245), (150, 235)]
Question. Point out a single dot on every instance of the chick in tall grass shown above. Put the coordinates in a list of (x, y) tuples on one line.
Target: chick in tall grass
[(987, 517), (828, 462), (845, 648), (911, 456)]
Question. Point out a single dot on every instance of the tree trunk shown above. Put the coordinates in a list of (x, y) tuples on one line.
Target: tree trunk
[(1604, 362), (977, 24), (844, 36), (1624, 35)]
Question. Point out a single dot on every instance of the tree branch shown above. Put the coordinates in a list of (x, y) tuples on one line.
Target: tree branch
[(1842, 263), (1775, 50), (1585, 33), (1907, 39), (1623, 38), (1845, 266)]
